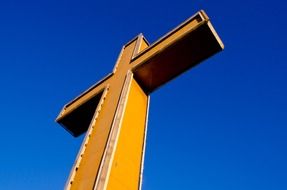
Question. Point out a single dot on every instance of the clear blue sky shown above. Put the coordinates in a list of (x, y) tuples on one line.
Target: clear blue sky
[(220, 126)]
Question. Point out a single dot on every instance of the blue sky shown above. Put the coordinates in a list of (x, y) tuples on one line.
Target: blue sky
[(220, 126)]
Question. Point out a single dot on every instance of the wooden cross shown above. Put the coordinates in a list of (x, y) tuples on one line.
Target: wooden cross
[(114, 111)]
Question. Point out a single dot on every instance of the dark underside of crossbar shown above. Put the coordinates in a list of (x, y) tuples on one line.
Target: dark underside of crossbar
[(77, 122), (177, 58)]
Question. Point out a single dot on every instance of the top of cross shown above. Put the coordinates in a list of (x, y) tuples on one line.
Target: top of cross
[(152, 65)]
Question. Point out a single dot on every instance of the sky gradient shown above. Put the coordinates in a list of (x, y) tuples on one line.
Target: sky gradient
[(219, 126)]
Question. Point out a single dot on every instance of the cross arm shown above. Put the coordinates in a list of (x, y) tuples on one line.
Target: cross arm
[(184, 47), (76, 116)]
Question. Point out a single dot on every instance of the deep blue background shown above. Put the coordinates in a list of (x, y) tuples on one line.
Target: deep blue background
[(220, 126)]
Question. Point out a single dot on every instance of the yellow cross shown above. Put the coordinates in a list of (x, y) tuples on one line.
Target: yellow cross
[(114, 111)]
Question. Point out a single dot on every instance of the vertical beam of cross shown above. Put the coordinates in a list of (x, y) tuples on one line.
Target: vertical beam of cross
[(114, 111), (122, 160), (99, 145)]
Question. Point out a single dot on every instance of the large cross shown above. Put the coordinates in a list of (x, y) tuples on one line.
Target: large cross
[(114, 111)]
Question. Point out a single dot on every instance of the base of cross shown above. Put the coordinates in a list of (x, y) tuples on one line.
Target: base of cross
[(114, 111)]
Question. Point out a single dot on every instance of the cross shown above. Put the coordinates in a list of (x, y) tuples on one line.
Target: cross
[(114, 111)]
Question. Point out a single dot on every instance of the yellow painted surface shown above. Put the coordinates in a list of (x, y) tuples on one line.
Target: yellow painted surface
[(86, 174), (143, 45), (126, 166), (82, 151)]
